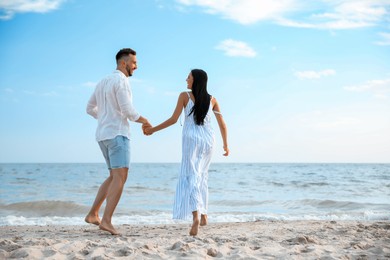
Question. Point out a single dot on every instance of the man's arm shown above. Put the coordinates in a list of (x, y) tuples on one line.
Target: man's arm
[(125, 102), (92, 108)]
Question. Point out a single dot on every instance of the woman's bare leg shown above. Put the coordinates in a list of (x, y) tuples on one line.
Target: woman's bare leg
[(195, 224), (203, 219)]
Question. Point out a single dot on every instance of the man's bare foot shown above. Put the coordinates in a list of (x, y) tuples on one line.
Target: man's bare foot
[(108, 227), (92, 219), (194, 228), (203, 220)]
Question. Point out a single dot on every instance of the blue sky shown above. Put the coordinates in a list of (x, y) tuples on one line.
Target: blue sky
[(296, 81)]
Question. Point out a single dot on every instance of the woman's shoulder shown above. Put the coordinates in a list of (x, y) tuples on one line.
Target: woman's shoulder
[(213, 99), (185, 95)]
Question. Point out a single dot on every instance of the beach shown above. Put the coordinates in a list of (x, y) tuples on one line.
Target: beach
[(303, 239)]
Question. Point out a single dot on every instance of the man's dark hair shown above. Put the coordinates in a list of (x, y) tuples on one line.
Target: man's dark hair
[(124, 52)]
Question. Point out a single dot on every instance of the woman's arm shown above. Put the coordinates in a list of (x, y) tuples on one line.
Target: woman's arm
[(222, 126), (173, 119)]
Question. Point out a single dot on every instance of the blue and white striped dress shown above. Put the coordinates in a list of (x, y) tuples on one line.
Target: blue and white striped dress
[(197, 148)]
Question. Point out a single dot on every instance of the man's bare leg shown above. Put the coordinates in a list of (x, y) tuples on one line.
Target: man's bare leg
[(195, 224), (93, 215), (119, 177), (203, 219)]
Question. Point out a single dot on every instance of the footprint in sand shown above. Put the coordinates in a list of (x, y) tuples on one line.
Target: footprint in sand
[(300, 240)]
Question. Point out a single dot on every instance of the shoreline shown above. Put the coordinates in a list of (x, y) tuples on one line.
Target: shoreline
[(296, 239)]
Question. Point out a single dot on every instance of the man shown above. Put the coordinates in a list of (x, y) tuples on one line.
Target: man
[(111, 104)]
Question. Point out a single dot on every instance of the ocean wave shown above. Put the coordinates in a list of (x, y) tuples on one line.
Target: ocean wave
[(44, 208), (301, 184), (337, 216), (220, 217), (340, 205), (132, 189), (242, 203), (300, 204)]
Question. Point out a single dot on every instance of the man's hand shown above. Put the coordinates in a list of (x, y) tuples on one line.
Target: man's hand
[(146, 128)]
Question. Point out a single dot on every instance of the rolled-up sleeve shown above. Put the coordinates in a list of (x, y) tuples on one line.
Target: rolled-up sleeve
[(92, 108), (125, 101)]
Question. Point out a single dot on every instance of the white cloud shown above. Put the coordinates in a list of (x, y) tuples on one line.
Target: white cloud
[(385, 39), (244, 11), (379, 88), (352, 14), (235, 48), (10, 7), (336, 24), (310, 74), (326, 14)]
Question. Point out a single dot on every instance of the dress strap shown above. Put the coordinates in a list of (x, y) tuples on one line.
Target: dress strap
[(215, 112)]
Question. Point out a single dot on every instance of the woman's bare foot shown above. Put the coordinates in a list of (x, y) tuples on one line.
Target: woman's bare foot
[(92, 219), (203, 220), (108, 227), (194, 228)]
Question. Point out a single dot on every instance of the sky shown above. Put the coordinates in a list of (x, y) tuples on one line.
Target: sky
[(297, 81)]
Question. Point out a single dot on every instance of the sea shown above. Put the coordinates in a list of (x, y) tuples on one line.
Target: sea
[(61, 194)]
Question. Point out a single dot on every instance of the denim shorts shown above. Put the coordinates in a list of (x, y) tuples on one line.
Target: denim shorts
[(116, 152)]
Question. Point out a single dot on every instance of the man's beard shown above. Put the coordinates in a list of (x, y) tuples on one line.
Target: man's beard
[(129, 71)]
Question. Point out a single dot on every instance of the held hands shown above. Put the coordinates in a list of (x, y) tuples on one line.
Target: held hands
[(145, 125), (147, 129)]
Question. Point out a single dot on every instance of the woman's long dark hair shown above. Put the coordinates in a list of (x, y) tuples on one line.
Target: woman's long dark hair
[(202, 97)]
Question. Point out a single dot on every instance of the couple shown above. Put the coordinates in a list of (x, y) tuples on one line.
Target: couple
[(111, 104)]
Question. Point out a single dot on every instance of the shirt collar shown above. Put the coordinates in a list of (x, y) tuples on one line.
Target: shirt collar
[(120, 73)]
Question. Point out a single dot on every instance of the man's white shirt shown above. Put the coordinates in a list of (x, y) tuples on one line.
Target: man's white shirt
[(112, 105)]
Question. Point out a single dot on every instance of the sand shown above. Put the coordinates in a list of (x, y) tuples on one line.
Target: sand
[(249, 240)]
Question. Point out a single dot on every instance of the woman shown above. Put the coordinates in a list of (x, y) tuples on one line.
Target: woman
[(191, 196)]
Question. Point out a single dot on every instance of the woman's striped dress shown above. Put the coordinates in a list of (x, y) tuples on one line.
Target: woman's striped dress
[(197, 148)]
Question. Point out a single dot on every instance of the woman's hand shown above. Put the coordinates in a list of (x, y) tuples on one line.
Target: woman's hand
[(148, 130), (226, 149)]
